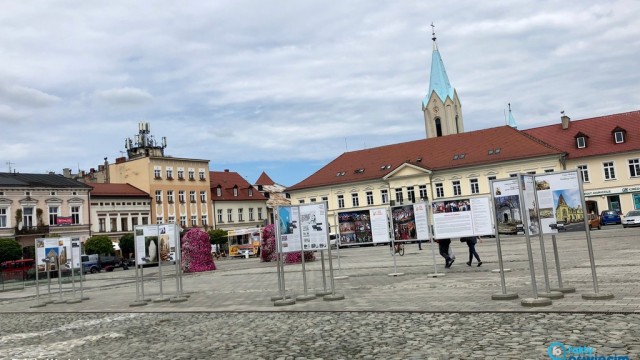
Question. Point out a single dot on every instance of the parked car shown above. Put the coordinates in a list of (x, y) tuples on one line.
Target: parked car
[(90, 263), (632, 218), (594, 222), (610, 217)]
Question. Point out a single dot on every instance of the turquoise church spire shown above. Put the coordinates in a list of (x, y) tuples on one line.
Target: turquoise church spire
[(512, 120), (438, 79)]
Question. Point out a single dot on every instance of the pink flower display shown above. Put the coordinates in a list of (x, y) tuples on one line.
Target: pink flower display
[(268, 249), (196, 252)]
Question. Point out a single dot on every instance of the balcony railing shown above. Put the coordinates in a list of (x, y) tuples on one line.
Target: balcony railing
[(28, 230)]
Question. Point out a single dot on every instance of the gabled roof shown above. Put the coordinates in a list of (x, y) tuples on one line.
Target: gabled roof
[(39, 180), (598, 130), (227, 180), (264, 179), (480, 147), (116, 190)]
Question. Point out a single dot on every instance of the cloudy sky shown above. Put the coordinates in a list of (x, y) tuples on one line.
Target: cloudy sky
[(287, 86)]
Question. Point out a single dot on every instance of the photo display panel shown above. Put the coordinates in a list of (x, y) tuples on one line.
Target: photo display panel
[(363, 227), (410, 222), (289, 228), (462, 217), (146, 244), (315, 230), (506, 200), (560, 202)]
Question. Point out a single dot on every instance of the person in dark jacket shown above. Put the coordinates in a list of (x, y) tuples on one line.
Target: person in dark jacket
[(471, 243), (443, 247)]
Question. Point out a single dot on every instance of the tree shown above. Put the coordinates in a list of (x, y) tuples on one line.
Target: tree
[(217, 236), (10, 250), (99, 244), (127, 245)]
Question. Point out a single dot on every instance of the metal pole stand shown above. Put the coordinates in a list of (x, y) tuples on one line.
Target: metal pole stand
[(324, 290), (138, 301), (180, 295), (393, 254), (60, 299), (435, 272), (284, 299), (339, 276), (560, 287), (306, 296), (38, 303), (547, 293), (504, 295), (333, 296)]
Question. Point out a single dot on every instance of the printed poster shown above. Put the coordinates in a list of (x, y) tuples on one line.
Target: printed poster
[(289, 229), (462, 217), (379, 225), (355, 227), (530, 204), (560, 202), (410, 222), (506, 200), (167, 240), (315, 230), (53, 251), (146, 244)]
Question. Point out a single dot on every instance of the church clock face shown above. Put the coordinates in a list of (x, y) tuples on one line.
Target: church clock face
[(435, 109)]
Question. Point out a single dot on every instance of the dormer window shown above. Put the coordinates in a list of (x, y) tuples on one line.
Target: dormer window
[(618, 135), (235, 191), (581, 142), (218, 191), (250, 192)]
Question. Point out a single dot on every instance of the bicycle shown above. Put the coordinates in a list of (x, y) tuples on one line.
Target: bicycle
[(398, 248)]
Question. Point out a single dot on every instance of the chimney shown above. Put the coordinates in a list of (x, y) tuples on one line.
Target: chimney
[(66, 172), (226, 170), (565, 121)]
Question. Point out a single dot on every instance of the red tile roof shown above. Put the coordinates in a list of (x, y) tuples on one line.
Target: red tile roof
[(227, 180), (264, 179), (599, 134), (431, 154), (113, 190)]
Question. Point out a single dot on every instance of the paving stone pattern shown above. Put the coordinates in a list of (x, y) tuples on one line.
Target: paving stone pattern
[(229, 313)]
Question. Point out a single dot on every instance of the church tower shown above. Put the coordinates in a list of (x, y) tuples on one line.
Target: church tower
[(441, 106)]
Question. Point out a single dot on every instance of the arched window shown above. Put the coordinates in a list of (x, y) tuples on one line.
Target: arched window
[(457, 126), (438, 127)]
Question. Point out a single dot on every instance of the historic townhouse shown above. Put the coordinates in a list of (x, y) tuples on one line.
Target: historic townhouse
[(606, 151), (236, 204), (40, 205), (117, 208)]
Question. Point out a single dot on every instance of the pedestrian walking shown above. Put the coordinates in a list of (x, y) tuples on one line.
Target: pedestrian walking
[(443, 247), (471, 243)]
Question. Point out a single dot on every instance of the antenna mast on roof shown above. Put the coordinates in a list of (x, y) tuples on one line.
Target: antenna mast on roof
[(9, 163)]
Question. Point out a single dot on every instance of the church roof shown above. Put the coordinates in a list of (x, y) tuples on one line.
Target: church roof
[(598, 130), (438, 79), (481, 147)]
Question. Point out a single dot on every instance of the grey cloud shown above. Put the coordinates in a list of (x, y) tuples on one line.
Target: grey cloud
[(27, 97), (124, 96)]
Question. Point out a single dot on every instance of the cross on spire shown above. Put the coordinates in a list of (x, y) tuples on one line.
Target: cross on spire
[(433, 32)]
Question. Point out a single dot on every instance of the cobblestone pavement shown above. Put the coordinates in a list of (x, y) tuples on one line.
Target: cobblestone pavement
[(229, 313)]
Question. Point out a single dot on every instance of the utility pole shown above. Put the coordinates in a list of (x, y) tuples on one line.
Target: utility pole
[(9, 163)]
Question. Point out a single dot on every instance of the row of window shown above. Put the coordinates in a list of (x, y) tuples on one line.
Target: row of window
[(240, 214), (51, 193), (157, 173), (29, 216), (181, 196), (183, 220), (235, 191), (125, 220), (618, 138), (609, 170)]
